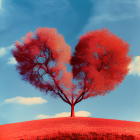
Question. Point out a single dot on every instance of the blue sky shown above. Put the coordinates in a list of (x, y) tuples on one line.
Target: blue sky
[(20, 101)]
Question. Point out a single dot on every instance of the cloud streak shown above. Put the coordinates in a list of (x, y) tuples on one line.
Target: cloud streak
[(25, 101), (110, 11), (64, 114)]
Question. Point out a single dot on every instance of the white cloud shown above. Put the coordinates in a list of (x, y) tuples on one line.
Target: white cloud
[(25, 101), (12, 60), (6, 50), (11, 47), (2, 52), (64, 114), (135, 66)]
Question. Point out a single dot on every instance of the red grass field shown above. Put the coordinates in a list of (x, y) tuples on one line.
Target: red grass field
[(31, 129)]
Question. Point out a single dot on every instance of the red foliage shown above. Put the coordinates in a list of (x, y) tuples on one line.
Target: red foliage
[(96, 78), (106, 70)]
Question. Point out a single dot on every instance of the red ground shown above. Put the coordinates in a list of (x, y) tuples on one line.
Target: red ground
[(42, 127)]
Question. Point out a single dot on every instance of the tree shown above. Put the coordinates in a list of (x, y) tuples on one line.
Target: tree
[(100, 61)]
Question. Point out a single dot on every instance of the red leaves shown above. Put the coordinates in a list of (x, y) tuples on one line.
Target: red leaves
[(102, 68), (47, 43), (94, 62)]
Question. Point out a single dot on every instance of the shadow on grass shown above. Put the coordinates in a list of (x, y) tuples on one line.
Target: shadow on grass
[(89, 136)]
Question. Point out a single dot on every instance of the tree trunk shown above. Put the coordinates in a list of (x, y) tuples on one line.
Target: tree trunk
[(72, 108), (72, 111)]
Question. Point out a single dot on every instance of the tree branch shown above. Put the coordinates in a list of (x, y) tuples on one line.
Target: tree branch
[(83, 93), (66, 100), (60, 95), (46, 63)]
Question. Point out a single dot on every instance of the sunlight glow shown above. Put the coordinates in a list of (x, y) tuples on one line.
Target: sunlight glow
[(1, 9), (0, 4)]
